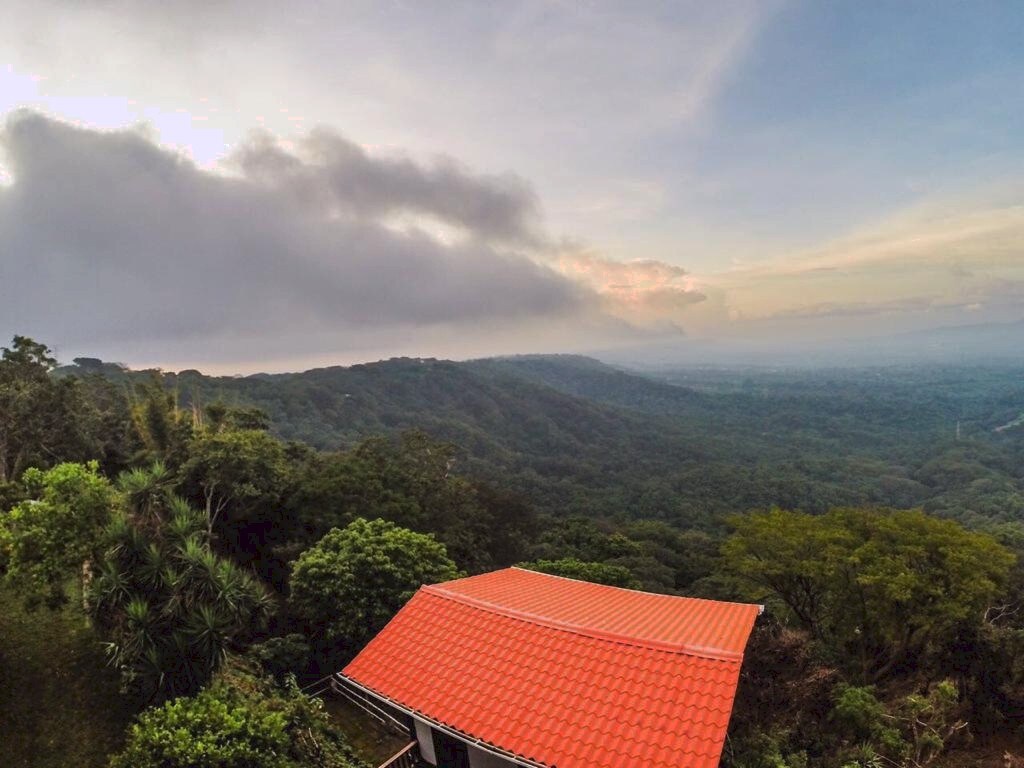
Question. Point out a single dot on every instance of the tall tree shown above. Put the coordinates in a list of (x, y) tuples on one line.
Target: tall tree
[(40, 416), (163, 428), (876, 587), (237, 473), (348, 586)]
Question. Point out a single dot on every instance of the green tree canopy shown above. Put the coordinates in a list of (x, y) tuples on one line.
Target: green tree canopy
[(584, 539), (240, 721), (239, 474), (213, 729), (410, 482), (657, 557), (348, 586), (875, 586), (43, 420), (599, 573), (57, 531)]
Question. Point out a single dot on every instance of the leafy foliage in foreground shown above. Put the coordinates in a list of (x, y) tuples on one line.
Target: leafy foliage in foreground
[(883, 620), (239, 721), (914, 731)]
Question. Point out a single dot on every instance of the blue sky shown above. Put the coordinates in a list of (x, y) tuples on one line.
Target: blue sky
[(845, 111), (778, 170)]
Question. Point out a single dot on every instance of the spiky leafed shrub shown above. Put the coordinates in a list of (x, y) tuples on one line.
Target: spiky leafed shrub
[(169, 607)]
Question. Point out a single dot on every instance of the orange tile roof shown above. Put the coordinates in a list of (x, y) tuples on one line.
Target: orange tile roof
[(565, 673)]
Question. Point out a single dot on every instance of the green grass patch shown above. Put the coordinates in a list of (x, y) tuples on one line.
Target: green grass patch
[(59, 702)]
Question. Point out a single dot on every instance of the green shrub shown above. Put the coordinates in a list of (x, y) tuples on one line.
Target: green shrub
[(281, 656), (241, 721), (217, 729)]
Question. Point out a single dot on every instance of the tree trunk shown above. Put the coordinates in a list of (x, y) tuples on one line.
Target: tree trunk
[(209, 513), (86, 584)]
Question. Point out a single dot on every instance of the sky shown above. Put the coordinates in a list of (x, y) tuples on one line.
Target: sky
[(273, 186)]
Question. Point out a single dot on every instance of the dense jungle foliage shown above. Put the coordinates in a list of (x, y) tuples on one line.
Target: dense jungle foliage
[(224, 536)]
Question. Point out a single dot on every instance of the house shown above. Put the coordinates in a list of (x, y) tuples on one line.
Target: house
[(518, 668)]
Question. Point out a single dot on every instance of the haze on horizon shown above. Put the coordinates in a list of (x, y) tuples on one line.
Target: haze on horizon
[(242, 187)]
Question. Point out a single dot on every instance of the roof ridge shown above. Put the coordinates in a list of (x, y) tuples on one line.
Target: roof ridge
[(705, 652), (626, 589)]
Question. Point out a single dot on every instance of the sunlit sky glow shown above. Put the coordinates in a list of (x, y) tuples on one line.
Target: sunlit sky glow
[(459, 179)]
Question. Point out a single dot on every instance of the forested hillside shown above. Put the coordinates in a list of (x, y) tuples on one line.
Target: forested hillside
[(578, 436), (222, 538)]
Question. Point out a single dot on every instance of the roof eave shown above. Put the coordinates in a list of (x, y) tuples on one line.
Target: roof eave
[(454, 732)]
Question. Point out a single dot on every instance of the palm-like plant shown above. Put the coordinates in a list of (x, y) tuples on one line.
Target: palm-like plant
[(150, 570), (183, 522), (239, 595), (208, 631), (127, 544), (111, 591), (140, 632), (171, 607), (145, 489)]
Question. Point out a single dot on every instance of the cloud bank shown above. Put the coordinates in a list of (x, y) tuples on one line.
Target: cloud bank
[(318, 250), (106, 236)]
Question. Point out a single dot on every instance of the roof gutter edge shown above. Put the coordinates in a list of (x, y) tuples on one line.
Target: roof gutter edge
[(454, 732)]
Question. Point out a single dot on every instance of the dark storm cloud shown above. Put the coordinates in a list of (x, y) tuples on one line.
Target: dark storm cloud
[(107, 236)]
